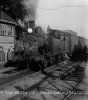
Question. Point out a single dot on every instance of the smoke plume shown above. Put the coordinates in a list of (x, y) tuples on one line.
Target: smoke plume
[(30, 8)]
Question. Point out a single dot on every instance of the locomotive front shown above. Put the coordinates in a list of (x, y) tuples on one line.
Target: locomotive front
[(33, 43), (30, 41)]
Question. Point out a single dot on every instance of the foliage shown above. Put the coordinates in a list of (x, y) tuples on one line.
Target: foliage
[(14, 8)]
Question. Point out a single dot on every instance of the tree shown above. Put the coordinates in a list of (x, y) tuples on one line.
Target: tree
[(14, 8)]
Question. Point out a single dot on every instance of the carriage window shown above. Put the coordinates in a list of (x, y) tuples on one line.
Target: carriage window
[(9, 30), (5, 30), (1, 49), (59, 36), (62, 36), (56, 34)]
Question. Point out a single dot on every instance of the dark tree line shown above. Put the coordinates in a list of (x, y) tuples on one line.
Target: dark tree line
[(14, 8)]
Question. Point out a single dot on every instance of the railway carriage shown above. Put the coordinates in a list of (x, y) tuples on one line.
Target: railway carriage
[(66, 42)]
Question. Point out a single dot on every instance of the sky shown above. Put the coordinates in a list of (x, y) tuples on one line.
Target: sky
[(64, 15)]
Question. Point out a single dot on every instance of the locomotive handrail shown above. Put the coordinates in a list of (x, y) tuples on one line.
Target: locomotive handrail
[(52, 55), (37, 35)]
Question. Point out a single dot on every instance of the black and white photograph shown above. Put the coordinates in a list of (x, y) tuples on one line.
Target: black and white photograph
[(43, 49)]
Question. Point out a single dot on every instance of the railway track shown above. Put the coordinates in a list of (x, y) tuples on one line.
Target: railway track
[(70, 90), (50, 83), (15, 76)]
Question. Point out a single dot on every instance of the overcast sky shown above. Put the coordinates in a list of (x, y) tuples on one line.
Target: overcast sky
[(65, 17)]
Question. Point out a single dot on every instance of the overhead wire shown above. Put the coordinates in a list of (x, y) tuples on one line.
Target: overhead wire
[(49, 9), (62, 7)]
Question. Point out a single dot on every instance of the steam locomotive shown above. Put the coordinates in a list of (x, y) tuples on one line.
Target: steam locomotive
[(40, 51)]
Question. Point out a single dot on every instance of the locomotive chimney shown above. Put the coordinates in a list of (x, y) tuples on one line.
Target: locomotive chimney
[(32, 25)]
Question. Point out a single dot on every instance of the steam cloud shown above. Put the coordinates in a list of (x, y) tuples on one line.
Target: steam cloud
[(30, 7)]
